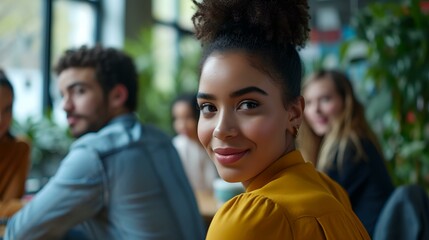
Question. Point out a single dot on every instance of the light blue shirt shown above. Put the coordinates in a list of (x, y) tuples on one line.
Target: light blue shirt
[(124, 182)]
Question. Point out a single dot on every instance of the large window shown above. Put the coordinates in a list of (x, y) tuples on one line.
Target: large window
[(21, 52), (32, 36), (74, 24), (175, 46)]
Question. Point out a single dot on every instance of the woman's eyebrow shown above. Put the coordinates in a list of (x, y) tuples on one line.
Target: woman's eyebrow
[(205, 96), (237, 93), (246, 90)]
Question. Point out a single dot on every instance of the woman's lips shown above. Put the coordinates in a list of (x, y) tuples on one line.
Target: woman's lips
[(321, 120), (226, 156)]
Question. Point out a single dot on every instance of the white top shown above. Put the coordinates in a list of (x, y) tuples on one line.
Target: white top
[(200, 170)]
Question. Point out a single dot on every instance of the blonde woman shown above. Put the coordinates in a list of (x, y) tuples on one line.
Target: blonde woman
[(338, 139)]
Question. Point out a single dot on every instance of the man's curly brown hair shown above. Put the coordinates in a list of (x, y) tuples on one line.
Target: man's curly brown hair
[(111, 66)]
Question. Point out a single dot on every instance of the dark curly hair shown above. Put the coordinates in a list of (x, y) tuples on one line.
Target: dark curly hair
[(111, 66), (268, 31)]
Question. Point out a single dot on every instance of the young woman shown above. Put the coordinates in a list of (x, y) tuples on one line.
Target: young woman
[(344, 146), (251, 109), (14, 155), (200, 171)]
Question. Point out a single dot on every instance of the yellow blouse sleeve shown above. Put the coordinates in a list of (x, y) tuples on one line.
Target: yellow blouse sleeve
[(249, 217), (255, 217)]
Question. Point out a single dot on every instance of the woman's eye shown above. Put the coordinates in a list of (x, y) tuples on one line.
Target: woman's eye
[(248, 105), (207, 108), (325, 99)]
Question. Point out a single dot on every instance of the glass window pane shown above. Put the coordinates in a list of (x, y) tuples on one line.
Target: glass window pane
[(20, 47), (165, 57), (164, 10), (20, 33), (187, 73), (187, 9), (73, 25)]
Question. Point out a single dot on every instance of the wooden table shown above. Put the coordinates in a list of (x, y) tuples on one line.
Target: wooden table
[(207, 205)]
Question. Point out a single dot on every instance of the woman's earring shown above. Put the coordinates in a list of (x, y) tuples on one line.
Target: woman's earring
[(296, 131)]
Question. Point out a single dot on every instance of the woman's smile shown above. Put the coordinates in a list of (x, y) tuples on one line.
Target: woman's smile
[(226, 156)]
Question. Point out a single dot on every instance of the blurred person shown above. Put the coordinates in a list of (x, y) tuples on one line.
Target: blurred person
[(198, 166), (121, 179), (251, 109), (14, 154), (339, 140)]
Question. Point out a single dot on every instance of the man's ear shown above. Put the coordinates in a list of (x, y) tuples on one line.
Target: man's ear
[(118, 96), (296, 111)]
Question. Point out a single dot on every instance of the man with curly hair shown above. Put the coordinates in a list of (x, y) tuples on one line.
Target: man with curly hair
[(121, 179)]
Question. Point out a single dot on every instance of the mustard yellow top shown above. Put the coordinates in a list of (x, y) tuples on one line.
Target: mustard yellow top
[(14, 167), (288, 200)]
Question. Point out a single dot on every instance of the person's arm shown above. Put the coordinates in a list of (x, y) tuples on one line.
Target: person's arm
[(74, 194)]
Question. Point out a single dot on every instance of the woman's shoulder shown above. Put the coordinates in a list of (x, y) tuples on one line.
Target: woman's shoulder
[(22, 141), (253, 208), (280, 206), (251, 201), (250, 216), (256, 216), (359, 149), (18, 144), (16, 151)]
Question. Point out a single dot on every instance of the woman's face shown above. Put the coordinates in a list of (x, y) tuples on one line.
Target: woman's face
[(183, 120), (6, 100), (322, 105), (243, 123)]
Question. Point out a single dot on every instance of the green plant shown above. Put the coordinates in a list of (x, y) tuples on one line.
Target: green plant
[(154, 101), (49, 144), (396, 36)]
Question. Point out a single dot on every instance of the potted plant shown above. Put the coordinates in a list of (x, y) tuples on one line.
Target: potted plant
[(397, 63), (49, 144), (154, 101)]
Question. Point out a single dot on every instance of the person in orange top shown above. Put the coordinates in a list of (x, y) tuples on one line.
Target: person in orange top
[(250, 113), (14, 155)]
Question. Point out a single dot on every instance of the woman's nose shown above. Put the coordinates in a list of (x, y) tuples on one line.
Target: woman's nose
[(317, 108), (312, 108), (226, 126)]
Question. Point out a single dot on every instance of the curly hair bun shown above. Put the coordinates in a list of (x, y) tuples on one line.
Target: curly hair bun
[(281, 21)]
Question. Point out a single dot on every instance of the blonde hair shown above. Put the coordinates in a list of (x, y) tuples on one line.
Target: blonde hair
[(348, 128)]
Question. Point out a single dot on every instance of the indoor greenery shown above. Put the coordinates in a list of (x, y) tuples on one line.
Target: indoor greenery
[(49, 144), (397, 63), (154, 102)]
